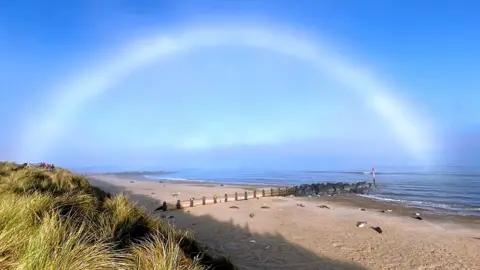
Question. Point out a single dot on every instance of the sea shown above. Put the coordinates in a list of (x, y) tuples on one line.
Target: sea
[(441, 189)]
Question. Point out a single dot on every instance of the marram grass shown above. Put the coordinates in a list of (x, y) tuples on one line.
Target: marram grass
[(56, 220)]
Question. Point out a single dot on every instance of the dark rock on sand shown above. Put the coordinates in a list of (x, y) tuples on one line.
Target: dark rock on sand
[(377, 229)]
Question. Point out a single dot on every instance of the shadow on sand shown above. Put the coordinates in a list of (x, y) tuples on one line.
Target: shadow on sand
[(259, 251)]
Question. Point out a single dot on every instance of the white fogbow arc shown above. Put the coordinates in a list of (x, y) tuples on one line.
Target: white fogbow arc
[(40, 133)]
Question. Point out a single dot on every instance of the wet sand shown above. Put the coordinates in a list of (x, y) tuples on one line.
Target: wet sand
[(288, 236)]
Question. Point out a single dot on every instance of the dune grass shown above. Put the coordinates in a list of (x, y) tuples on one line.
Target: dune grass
[(57, 220)]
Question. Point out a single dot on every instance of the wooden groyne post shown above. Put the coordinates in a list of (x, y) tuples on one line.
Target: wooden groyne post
[(226, 197), (191, 201), (236, 196), (246, 195), (179, 204), (204, 200), (254, 193), (215, 199), (263, 192), (164, 206)]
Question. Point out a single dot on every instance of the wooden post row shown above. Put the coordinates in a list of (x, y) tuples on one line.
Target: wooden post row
[(271, 192), (278, 189)]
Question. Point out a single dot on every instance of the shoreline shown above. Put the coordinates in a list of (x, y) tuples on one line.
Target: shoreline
[(368, 198), (345, 199), (295, 233)]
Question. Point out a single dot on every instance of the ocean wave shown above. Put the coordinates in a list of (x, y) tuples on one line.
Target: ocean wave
[(399, 173), (429, 204)]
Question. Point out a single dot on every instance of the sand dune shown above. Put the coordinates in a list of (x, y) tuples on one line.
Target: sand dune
[(287, 236)]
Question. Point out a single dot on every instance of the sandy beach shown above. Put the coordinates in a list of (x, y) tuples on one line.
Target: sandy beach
[(295, 233)]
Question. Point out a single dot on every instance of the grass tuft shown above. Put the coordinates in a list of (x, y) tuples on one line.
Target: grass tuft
[(57, 220)]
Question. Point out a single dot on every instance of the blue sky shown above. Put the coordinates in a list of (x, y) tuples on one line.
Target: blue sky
[(233, 105)]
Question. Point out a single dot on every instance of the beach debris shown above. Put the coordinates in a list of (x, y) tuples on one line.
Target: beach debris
[(323, 206), (234, 207), (267, 247), (361, 224), (280, 209), (264, 206), (175, 194), (160, 208), (251, 215), (417, 216), (301, 204), (131, 182), (377, 229), (252, 241), (221, 185), (389, 210), (152, 193), (383, 211), (362, 209), (167, 217)]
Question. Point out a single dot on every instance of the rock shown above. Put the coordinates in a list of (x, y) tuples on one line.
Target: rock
[(265, 206), (377, 229), (323, 206), (361, 224), (362, 209), (252, 241), (338, 187), (234, 207), (251, 215), (308, 190), (301, 204), (330, 189), (417, 217)]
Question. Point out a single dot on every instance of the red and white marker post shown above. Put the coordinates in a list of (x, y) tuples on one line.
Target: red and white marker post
[(373, 176)]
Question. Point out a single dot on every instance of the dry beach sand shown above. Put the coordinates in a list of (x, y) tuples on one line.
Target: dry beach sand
[(289, 236)]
